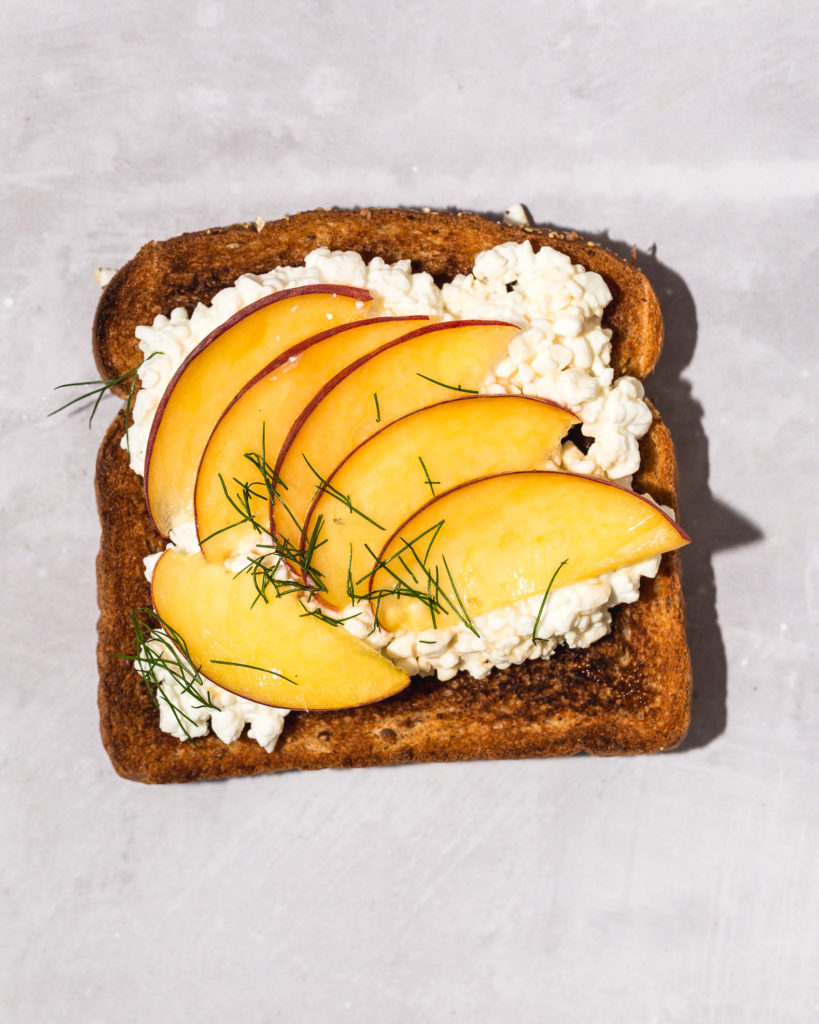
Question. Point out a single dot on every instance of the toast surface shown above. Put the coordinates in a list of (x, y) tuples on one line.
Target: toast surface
[(192, 267), (627, 693)]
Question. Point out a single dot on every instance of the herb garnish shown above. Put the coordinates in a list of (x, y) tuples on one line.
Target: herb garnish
[(327, 488), (240, 501), (436, 599), (430, 483), (264, 571), (174, 659), (377, 407), (543, 602), (465, 617), (98, 388), (255, 668), (449, 387), (401, 587), (317, 613)]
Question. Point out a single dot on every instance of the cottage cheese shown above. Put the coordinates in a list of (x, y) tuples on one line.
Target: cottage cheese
[(577, 615), (184, 715), (561, 352)]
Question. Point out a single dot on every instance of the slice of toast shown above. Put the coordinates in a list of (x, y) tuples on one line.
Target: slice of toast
[(628, 693)]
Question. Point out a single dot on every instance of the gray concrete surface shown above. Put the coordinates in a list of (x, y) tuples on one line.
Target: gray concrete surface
[(676, 888)]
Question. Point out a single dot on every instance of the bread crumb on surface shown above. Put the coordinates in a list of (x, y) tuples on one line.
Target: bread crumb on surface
[(260, 223), (517, 216), (102, 275)]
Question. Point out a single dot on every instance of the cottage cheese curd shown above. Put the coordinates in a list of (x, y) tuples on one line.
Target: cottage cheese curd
[(561, 352), (184, 715)]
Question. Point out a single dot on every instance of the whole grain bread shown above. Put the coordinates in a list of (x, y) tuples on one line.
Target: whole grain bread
[(628, 693)]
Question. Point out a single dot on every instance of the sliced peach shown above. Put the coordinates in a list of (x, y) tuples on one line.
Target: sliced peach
[(433, 364), (213, 373), (394, 473), (265, 409), (270, 652), (491, 542)]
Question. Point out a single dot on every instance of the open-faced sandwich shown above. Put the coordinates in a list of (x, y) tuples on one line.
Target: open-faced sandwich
[(385, 488)]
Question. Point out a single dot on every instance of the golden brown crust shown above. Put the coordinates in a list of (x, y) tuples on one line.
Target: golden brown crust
[(628, 693), (192, 267)]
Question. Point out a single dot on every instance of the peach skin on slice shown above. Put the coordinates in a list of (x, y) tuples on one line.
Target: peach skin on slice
[(213, 373), (269, 652), (493, 541), (433, 364), (395, 472), (264, 410)]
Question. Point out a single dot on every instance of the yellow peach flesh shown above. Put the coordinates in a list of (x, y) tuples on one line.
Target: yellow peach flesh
[(266, 410), (279, 655), (397, 470), (213, 374), (437, 363), (503, 537)]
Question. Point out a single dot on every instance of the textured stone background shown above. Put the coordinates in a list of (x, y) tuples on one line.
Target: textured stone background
[(675, 888)]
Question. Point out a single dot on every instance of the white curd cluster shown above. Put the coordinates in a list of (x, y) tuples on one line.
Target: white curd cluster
[(561, 353), (182, 712), (576, 615), (168, 340)]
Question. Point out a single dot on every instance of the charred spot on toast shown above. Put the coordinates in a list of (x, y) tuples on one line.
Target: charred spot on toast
[(585, 681), (607, 676)]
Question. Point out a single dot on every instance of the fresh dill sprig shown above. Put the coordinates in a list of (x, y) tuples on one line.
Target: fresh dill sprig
[(324, 486), (400, 589), (173, 659), (543, 602), (449, 387), (240, 503), (263, 488), (99, 388), (265, 577), (269, 477), (350, 584), (255, 668), (377, 407), (409, 545), (435, 597), (465, 616), (312, 544), (265, 568), (429, 482), (407, 569), (274, 485), (317, 613)]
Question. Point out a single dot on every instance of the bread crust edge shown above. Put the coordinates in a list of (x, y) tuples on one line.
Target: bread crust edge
[(539, 709)]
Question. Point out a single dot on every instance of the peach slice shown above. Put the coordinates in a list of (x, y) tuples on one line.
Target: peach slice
[(394, 472), (212, 374), (265, 409), (493, 541), (436, 363), (270, 652)]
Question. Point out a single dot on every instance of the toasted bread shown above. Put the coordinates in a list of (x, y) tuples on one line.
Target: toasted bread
[(628, 693)]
